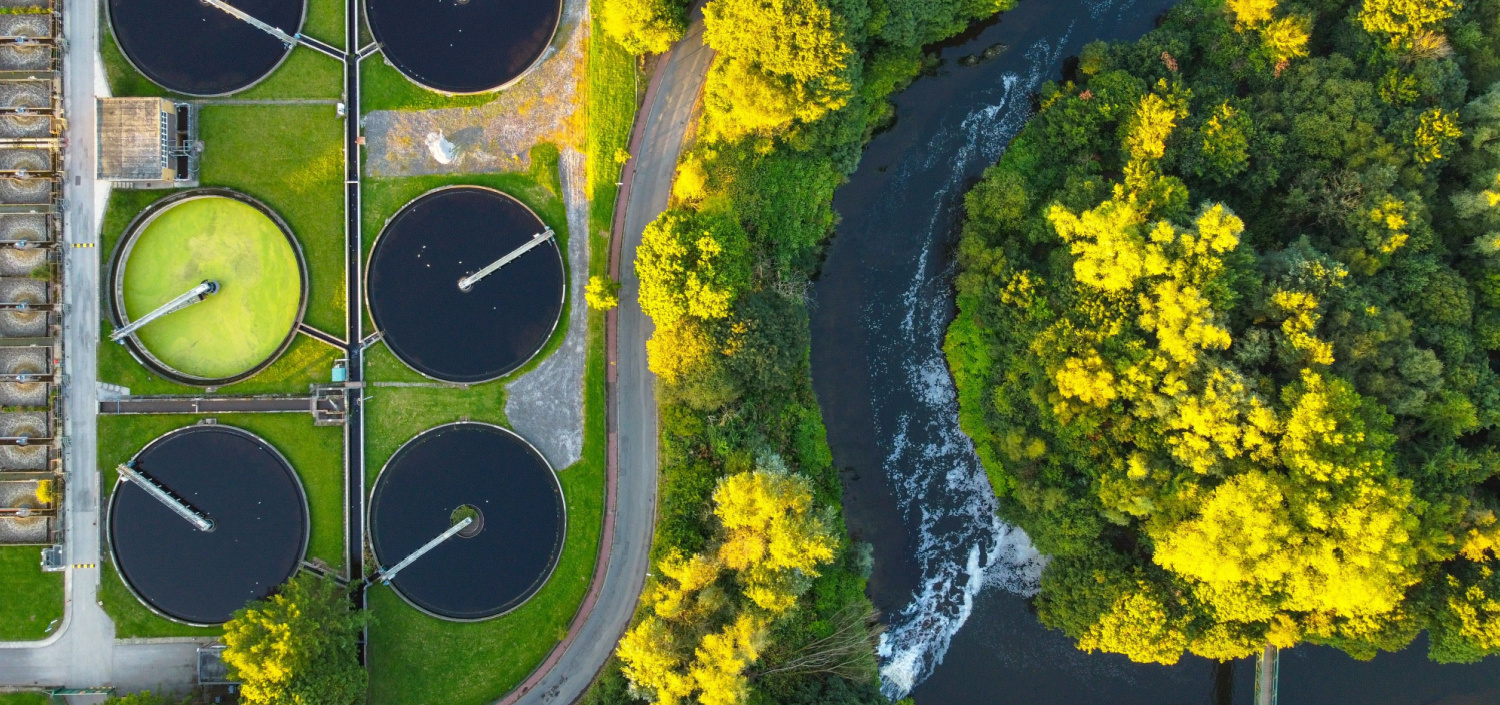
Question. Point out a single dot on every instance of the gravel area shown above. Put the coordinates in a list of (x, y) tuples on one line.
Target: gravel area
[(23, 361), (23, 324), (23, 423), (546, 404), (18, 493), (544, 106), (25, 531)]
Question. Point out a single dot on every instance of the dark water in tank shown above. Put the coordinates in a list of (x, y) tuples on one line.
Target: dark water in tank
[(454, 335), (519, 501), (191, 47), (463, 46), (260, 524), (952, 580)]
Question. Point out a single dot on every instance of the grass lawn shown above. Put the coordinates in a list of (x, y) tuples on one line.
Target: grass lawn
[(393, 415), (325, 21), (611, 112), (316, 452), (24, 699), (224, 241), (32, 598), (305, 74), (382, 87), (306, 361), (291, 158)]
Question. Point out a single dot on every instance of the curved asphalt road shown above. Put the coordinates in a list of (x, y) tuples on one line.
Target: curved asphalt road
[(656, 144)]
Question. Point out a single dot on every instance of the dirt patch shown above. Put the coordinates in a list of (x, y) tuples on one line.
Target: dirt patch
[(544, 106)]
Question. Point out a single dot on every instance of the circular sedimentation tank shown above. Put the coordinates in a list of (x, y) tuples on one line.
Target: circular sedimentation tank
[(254, 500), (479, 471), (194, 48), (445, 332), (245, 250), (463, 46)]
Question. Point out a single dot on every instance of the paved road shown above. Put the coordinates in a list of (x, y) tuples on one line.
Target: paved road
[(668, 109), (83, 652)]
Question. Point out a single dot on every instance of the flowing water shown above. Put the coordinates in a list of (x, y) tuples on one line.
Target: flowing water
[(953, 580)]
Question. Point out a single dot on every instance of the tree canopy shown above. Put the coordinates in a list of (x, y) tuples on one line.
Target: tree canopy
[(1228, 310), (297, 647)]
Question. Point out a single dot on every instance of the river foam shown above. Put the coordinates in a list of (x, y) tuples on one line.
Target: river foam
[(944, 494)]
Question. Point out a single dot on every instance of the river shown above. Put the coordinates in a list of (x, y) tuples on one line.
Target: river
[(953, 581)]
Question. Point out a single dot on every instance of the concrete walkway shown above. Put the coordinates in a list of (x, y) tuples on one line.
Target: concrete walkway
[(222, 405), (630, 516), (83, 652)]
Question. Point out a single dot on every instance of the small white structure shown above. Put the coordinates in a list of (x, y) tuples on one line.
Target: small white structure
[(442, 151)]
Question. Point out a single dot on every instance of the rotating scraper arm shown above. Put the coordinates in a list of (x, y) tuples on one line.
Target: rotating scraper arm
[(190, 297), (198, 519), (386, 576), (468, 282)]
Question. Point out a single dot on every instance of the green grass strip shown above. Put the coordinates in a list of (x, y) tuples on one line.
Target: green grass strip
[(32, 598), (612, 89), (24, 699)]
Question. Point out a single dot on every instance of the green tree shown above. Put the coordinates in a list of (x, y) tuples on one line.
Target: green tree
[(297, 647), (644, 26), (779, 61)]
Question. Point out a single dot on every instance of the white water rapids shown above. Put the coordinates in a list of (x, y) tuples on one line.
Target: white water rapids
[(945, 498)]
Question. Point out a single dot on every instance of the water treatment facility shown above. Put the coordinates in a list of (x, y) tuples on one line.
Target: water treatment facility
[(295, 288)]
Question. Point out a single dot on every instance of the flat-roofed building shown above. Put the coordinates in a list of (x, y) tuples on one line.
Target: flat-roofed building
[(147, 142)]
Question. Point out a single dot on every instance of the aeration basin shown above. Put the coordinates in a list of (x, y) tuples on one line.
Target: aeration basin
[(190, 47), (437, 328), (472, 470), (259, 515), (218, 236), (463, 46)]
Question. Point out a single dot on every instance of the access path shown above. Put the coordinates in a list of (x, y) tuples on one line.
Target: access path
[(82, 652), (630, 516)]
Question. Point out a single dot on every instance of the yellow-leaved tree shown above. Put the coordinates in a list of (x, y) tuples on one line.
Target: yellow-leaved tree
[(709, 614), (778, 61), (297, 647)]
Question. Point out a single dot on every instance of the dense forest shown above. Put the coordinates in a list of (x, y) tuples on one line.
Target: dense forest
[(757, 594), (1229, 314)]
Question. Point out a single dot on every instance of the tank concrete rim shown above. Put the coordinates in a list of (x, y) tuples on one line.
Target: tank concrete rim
[(121, 255), (556, 558), (109, 534), (562, 311), (109, 21)]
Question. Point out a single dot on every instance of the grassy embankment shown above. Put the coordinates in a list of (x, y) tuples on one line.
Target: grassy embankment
[(613, 87), (316, 452), (290, 157), (24, 699)]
